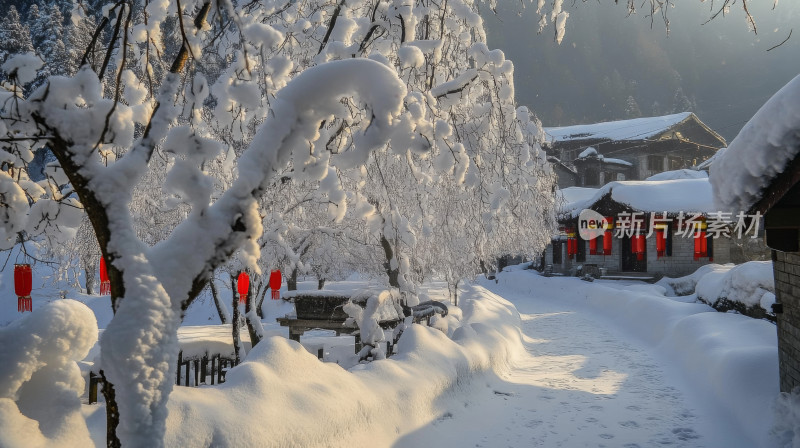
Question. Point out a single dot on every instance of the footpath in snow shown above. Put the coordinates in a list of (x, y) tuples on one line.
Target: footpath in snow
[(596, 374)]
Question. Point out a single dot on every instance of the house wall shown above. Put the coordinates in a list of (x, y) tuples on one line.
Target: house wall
[(786, 268), (681, 262)]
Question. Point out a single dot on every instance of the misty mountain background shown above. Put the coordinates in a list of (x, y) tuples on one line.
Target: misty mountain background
[(613, 67)]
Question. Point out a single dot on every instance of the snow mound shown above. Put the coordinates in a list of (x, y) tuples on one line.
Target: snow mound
[(750, 284), (787, 420), (40, 381), (684, 286), (369, 405)]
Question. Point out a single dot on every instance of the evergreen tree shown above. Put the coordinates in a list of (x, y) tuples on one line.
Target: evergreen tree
[(14, 36), (632, 108), (79, 36), (681, 102)]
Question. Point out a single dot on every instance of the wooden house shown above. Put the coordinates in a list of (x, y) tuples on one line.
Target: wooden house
[(674, 203), (647, 145)]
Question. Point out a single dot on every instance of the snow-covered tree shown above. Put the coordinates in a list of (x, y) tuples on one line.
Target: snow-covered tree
[(379, 107)]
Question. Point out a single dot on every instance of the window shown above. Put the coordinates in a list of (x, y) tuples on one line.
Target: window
[(675, 163), (591, 178), (655, 163), (620, 176)]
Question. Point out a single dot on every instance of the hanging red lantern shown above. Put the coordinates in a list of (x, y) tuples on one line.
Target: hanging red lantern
[(607, 240), (105, 282), (700, 245), (593, 246), (638, 246), (243, 286), (572, 247), (275, 284), (661, 244), (23, 283)]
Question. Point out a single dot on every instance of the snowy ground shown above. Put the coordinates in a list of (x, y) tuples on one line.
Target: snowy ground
[(527, 361), (581, 383)]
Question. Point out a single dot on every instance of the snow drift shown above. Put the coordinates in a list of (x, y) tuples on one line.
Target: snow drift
[(40, 381), (284, 396)]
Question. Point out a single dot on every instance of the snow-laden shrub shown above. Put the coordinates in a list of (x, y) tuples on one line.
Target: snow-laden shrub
[(748, 288), (684, 286), (40, 381)]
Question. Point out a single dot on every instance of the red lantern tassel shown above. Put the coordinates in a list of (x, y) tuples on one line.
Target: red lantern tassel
[(24, 304), (276, 295), (242, 299)]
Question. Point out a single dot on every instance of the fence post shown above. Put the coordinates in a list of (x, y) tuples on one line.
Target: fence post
[(180, 361), (92, 387)]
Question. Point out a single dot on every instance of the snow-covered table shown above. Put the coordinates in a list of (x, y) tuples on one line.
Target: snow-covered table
[(324, 310)]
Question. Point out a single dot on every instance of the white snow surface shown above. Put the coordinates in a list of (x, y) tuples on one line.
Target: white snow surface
[(761, 151), (300, 401), (672, 196), (40, 381), (635, 129), (751, 284), (679, 174), (624, 366)]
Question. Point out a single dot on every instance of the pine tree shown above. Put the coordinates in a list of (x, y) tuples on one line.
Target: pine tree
[(14, 36), (632, 108), (681, 102), (79, 37)]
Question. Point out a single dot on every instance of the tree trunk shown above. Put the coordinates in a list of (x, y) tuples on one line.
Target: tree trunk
[(394, 274), (320, 283), (254, 337), (112, 413), (262, 292), (291, 281), (223, 315), (237, 343), (89, 272)]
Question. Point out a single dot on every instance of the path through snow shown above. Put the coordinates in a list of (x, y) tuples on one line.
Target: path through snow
[(579, 384)]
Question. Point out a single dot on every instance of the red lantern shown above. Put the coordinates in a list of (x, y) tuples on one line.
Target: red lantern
[(572, 247), (661, 244), (607, 240), (243, 286), (593, 246), (275, 284), (700, 245), (105, 283), (23, 283), (638, 246)]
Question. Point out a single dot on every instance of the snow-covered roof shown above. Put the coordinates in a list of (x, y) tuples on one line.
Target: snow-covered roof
[(761, 151), (679, 174), (590, 152), (617, 161), (671, 196), (635, 129)]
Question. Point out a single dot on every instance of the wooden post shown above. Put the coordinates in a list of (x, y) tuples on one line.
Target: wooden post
[(213, 360), (219, 369), (187, 374), (196, 372), (204, 369), (178, 374), (357, 343), (320, 353), (93, 379)]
